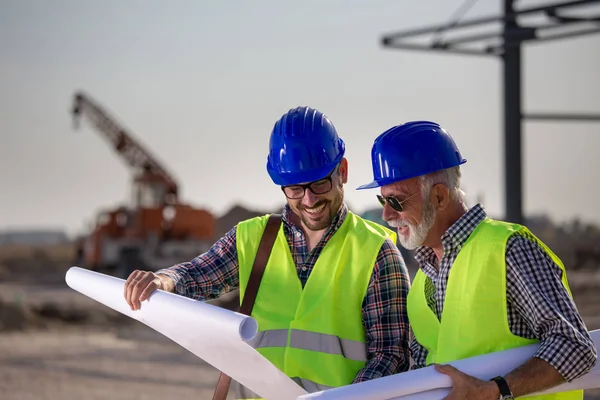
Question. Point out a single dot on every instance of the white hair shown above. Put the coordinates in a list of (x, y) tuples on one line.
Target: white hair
[(448, 177)]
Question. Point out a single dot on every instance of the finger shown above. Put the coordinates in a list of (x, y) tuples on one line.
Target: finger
[(150, 288), (130, 278), (135, 291), (447, 369), (456, 382), (144, 279), (129, 285)]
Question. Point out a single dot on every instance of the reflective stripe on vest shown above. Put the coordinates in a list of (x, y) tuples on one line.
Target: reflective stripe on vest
[(330, 344)]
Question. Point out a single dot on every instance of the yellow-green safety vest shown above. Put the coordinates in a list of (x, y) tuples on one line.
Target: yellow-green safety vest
[(314, 335), (474, 319)]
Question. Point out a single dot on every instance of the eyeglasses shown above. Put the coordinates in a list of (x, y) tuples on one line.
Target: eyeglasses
[(393, 202), (322, 186)]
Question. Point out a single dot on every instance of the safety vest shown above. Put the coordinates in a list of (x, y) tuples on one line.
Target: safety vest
[(474, 319), (314, 335)]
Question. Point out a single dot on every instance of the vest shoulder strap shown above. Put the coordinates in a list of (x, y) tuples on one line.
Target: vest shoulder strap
[(258, 268)]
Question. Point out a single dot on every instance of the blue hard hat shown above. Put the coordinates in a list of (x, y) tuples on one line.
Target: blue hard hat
[(304, 147), (412, 149)]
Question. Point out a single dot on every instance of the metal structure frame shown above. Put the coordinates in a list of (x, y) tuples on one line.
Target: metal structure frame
[(507, 47)]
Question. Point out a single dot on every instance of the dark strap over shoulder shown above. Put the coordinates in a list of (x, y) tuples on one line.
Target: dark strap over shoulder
[(258, 268)]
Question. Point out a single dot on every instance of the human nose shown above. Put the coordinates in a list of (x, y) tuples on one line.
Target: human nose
[(388, 212), (309, 198)]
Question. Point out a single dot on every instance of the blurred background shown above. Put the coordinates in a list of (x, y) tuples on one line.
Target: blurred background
[(136, 133)]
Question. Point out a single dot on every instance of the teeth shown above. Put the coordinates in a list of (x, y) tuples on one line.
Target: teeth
[(315, 210)]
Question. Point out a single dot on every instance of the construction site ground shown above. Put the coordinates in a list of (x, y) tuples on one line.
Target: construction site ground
[(57, 344)]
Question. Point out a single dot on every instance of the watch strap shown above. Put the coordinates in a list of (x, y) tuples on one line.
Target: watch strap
[(505, 392)]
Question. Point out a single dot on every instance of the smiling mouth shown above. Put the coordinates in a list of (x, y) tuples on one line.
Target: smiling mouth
[(315, 210)]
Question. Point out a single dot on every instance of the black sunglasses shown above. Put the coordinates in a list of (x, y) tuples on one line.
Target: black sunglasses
[(393, 202)]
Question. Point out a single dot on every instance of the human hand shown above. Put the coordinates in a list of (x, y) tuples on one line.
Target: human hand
[(468, 387), (141, 284)]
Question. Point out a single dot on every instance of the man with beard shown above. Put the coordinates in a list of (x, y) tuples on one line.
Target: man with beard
[(483, 285), (331, 304)]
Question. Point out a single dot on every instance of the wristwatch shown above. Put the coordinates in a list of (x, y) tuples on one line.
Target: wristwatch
[(505, 393)]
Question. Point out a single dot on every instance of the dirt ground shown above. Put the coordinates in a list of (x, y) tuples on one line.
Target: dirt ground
[(56, 344)]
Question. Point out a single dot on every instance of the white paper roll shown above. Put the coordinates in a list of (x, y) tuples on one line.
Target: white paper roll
[(216, 335), (428, 384)]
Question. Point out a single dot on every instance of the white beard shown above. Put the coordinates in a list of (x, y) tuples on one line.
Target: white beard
[(417, 233)]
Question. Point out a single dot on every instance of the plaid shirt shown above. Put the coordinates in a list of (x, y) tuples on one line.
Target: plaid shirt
[(537, 302), (384, 312)]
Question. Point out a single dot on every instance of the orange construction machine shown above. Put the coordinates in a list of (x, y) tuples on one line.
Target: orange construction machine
[(156, 230)]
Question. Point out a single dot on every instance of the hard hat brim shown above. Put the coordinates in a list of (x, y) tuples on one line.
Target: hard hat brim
[(390, 180), (300, 177), (370, 185)]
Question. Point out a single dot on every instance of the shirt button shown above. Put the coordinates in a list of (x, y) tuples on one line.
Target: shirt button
[(298, 234), (304, 268)]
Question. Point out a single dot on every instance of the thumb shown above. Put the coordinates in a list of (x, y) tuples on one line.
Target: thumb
[(447, 369)]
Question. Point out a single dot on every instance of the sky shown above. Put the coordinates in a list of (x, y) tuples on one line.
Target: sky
[(201, 84)]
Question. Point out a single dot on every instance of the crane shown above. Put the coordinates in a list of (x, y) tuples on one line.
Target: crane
[(156, 185), (156, 230)]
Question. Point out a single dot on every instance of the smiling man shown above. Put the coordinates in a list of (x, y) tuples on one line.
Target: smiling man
[(483, 285), (331, 306)]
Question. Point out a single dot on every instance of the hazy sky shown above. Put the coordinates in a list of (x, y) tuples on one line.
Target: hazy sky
[(202, 83)]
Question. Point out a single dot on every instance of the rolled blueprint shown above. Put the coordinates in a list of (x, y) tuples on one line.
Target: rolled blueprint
[(218, 336), (223, 339), (428, 384)]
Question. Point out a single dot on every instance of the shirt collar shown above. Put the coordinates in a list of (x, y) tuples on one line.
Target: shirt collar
[(455, 236)]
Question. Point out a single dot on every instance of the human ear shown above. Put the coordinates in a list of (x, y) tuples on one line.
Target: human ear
[(343, 170), (440, 196)]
